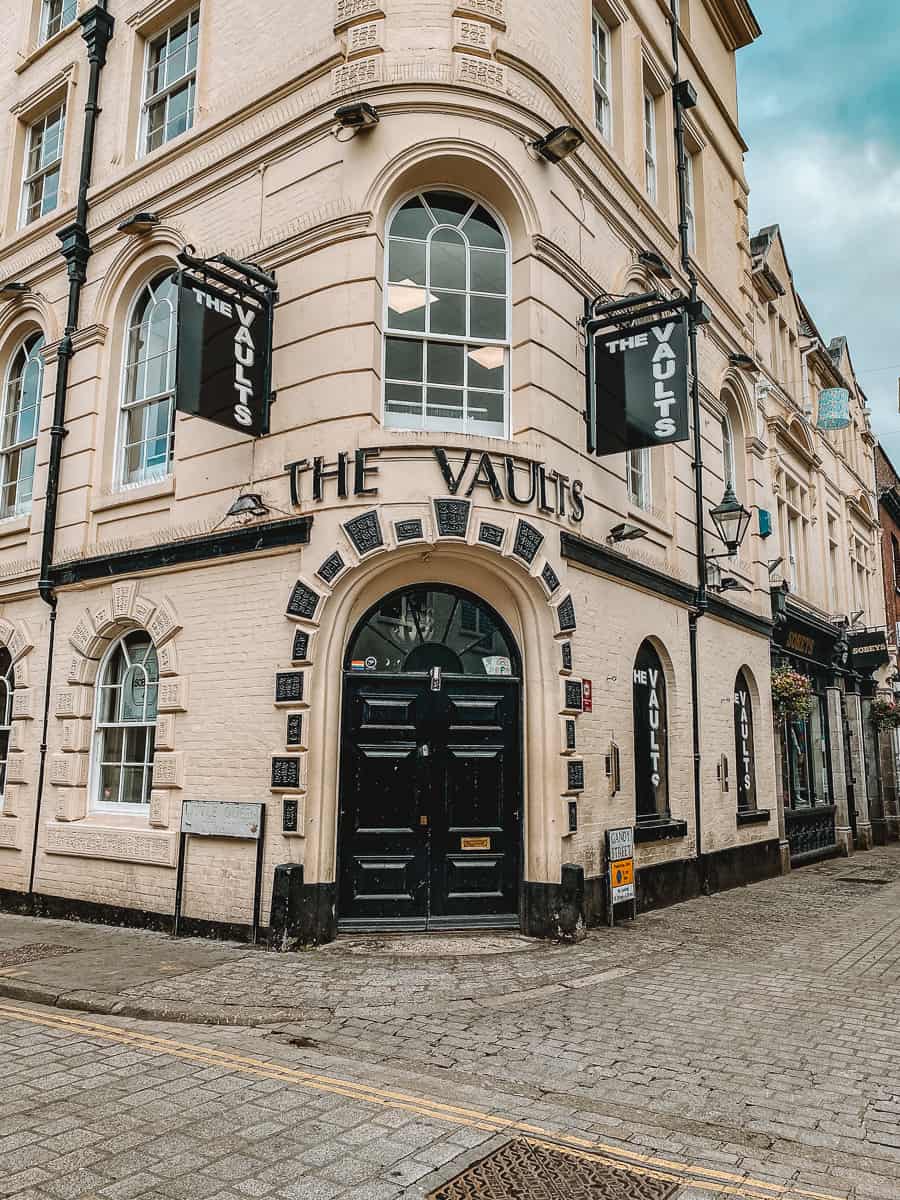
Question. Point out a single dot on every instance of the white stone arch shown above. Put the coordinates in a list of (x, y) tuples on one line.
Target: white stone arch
[(539, 618), (117, 609)]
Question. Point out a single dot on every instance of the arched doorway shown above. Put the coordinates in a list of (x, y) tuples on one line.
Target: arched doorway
[(430, 820)]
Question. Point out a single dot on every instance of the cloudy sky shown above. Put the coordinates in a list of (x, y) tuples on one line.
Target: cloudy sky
[(820, 110)]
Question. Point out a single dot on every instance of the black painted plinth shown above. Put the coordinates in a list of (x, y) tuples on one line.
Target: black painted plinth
[(303, 914)]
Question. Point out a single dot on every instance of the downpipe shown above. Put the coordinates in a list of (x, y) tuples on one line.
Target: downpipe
[(96, 30)]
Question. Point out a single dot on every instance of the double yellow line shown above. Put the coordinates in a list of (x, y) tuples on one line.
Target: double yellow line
[(721, 1183)]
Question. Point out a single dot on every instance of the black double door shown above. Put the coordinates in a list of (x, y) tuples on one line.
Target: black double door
[(430, 825)]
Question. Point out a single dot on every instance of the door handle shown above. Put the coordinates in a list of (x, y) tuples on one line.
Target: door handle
[(424, 750), (423, 819)]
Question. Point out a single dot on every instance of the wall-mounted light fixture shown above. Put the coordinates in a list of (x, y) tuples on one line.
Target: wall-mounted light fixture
[(655, 264), (730, 584), (558, 144), (248, 504), (358, 115), (685, 94), (732, 520), (13, 288), (625, 533), (139, 224), (743, 362)]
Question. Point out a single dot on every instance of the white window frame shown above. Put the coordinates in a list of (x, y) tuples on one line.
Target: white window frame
[(650, 181), (638, 479), (163, 95), (95, 774), (729, 459), (68, 10), (601, 74), (427, 338), (153, 475), (29, 178), (31, 347), (690, 209)]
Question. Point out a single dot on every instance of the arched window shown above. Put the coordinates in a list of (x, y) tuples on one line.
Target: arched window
[(743, 744), (125, 724), (7, 687), (21, 415), (728, 461), (651, 737), (147, 424), (446, 359)]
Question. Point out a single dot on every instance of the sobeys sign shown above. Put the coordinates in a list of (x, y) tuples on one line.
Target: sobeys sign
[(469, 473), (868, 650)]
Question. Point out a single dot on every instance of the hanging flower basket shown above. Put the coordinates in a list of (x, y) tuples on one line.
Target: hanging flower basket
[(791, 694), (885, 713)]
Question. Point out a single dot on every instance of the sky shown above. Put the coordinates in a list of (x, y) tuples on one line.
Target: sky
[(819, 97)]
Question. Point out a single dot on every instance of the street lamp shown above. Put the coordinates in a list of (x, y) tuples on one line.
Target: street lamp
[(732, 520)]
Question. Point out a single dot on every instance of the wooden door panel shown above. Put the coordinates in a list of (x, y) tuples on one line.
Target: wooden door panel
[(474, 877), (386, 795), (474, 796)]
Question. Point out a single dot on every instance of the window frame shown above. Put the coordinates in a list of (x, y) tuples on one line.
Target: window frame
[(602, 88), (426, 337), (45, 170), (120, 484), (164, 94), (95, 772), (651, 167), (638, 465), (729, 455), (44, 31), (690, 203), (8, 686), (32, 346)]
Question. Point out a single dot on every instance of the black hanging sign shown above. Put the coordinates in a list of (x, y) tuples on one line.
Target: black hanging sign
[(868, 650), (224, 355), (641, 382)]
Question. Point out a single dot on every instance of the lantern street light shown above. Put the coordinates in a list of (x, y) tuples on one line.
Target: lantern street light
[(732, 520)]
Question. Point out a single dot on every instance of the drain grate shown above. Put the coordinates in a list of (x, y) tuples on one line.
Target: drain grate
[(523, 1170), (17, 956)]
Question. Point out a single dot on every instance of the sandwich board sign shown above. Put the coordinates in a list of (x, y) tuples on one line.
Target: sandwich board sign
[(620, 862)]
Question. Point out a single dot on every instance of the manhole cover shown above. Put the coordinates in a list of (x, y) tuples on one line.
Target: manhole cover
[(523, 1170), (17, 956)]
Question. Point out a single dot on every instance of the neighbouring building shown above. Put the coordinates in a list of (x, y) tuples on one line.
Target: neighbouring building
[(402, 619), (888, 483), (828, 601)]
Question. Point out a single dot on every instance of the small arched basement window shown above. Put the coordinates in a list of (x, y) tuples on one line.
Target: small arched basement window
[(743, 744), (446, 358), (125, 724), (651, 736)]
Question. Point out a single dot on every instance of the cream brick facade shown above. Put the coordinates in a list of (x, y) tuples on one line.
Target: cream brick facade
[(461, 90)]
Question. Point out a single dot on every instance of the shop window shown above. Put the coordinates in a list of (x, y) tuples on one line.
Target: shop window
[(600, 48), (170, 83), (147, 418), (125, 725), (637, 471), (805, 758), (56, 15), (7, 687), (651, 737), (43, 164), (18, 433), (745, 757), (447, 348)]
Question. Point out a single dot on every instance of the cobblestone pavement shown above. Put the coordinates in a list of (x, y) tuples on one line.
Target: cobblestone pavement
[(748, 1043)]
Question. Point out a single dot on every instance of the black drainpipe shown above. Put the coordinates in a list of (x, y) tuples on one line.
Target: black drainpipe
[(701, 604), (96, 29)]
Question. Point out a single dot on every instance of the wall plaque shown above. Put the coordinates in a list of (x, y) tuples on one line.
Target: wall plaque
[(364, 532), (565, 615), (303, 602), (409, 531), (550, 579), (288, 687), (528, 542), (221, 818), (575, 775), (331, 567), (566, 649), (285, 773), (574, 697), (300, 650), (452, 517), (491, 535), (290, 815), (295, 729), (570, 734)]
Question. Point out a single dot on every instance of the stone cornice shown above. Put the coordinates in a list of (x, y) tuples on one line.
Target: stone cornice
[(54, 84), (89, 335)]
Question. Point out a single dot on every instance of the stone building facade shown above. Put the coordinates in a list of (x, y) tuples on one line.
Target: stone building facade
[(416, 644), (888, 484), (828, 599)]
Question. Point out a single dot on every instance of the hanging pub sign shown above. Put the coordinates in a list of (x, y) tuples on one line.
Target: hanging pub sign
[(224, 353), (641, 386), (868, 650)]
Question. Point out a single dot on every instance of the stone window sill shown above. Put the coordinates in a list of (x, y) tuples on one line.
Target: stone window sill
[(659, 831), (148, 491), (759, 816)]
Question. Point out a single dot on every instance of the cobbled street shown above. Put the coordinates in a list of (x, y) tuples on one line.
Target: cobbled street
[(745, 1044)]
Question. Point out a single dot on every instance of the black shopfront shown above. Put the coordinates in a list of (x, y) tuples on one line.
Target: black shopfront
[(823, 652)]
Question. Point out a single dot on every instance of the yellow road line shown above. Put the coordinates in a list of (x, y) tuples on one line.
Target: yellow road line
[(704, 1178)]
